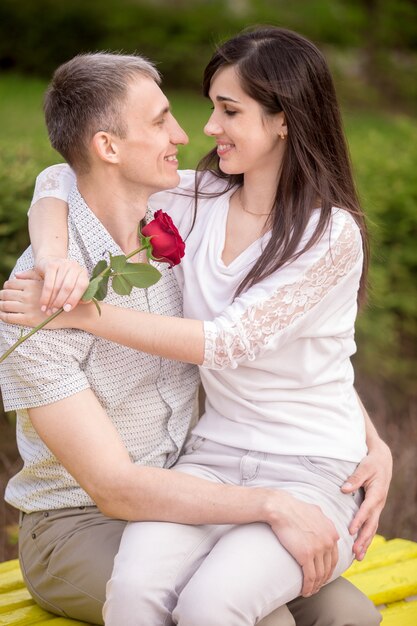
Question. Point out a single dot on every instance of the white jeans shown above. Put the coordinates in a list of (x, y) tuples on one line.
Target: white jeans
[(224, 575)]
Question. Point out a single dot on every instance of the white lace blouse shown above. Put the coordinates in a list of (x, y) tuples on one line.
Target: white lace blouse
[(277, 370)]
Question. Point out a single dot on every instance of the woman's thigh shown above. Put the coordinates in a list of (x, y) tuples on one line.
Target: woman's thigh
[(154, 563), (246, 576)]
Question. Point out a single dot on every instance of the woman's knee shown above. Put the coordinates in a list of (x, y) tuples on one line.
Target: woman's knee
[(207, 609)]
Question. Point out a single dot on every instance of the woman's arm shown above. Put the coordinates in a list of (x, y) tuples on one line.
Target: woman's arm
[(271, 308), (64, 280)]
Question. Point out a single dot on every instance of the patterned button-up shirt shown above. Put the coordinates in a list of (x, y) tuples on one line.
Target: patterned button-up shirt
[(150, 400)]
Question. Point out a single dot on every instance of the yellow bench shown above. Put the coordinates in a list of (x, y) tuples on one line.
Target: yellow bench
[(388, 576)]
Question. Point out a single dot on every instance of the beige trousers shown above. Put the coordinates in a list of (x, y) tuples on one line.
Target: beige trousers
[(67, 558)]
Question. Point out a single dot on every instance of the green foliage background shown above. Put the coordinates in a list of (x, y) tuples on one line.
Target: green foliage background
[(371, 46)]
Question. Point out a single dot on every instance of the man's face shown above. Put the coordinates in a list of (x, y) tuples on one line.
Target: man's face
[(148, 154)]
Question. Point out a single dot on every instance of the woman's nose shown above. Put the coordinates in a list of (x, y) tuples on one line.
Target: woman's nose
[(212, 127)]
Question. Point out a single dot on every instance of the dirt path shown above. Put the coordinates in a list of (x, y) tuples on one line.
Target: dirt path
[(9, 465)]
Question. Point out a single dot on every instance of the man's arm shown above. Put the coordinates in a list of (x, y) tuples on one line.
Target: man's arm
[(374, 475), (92, 451)]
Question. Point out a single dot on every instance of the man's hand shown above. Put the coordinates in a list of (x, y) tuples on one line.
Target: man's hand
[(310, 537), (374, 475), (19, 303), (65, 281)]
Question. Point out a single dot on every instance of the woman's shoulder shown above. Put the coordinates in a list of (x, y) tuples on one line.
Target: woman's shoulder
[(205, 182)]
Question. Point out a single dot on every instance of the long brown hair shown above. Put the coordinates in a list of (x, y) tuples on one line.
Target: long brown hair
[(283, 71)]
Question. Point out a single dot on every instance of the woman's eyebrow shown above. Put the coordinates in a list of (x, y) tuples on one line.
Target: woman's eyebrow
[(226, 99)]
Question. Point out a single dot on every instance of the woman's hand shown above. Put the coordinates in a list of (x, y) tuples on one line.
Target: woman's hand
[(20, 303), (65, 281), (374, 475), (309, 536)]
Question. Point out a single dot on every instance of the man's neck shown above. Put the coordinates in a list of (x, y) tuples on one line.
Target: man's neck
[(119, 209)]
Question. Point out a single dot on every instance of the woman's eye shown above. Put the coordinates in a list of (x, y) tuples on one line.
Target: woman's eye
[(230, 113)]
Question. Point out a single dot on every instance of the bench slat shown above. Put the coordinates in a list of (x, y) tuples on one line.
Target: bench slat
[(394, 551), (400, 614), (388, 576), (388, 584), (15, 600), (25, 616)]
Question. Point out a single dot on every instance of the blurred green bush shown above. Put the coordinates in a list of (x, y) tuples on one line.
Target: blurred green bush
[(378, 38), (384, 151)]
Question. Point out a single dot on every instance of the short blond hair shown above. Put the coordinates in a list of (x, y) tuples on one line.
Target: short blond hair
[(86, 95)]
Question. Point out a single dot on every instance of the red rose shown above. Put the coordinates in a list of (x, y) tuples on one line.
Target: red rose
[(167, 244)]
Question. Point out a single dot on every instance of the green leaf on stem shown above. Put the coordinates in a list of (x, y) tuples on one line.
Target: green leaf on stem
[(141, 274), (101, 292), (96, 304), (118, 263), (99, 268), (121, 285), (92, 289)]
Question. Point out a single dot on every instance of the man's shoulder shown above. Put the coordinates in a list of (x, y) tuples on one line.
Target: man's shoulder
[(24, 262)]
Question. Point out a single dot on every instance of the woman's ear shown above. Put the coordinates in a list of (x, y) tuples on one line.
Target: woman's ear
[(282, 129), (105, 147)]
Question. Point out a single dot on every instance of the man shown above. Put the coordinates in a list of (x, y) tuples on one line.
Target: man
[(99, 424)]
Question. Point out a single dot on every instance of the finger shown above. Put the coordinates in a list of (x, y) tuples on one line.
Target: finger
[(367, 509), (11, 318), (63, 286), (364, 538), (14, 284), (355, 480), (11, 306), (72, 289), (334, 558), (309, 577), (321, 572), (29, 274), (11, 294), (47, 291)]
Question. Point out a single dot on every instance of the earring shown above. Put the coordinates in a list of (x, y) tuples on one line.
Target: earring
[(282, 135)]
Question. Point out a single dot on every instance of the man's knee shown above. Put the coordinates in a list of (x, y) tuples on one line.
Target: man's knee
[(280, 617), (336, 604)]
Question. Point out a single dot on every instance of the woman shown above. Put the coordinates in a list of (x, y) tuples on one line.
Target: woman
[(275, 260)]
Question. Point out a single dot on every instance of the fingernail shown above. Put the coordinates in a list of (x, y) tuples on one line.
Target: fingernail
[(67, 308), (43, 308), (54, 310), (347, 485)]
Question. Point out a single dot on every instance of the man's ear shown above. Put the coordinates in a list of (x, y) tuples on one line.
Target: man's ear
[(105, 147)]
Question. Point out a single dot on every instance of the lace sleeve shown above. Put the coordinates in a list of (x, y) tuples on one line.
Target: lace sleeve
[(226, 344), (55, 181)]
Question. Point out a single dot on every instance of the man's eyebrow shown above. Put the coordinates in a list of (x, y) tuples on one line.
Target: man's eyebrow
[(162, 112)]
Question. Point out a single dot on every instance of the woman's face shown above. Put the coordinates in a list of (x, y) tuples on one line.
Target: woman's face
[(248, 140)]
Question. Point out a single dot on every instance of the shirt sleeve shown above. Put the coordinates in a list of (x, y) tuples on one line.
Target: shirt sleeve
[(45, 368), (255, 320), (55, 181)]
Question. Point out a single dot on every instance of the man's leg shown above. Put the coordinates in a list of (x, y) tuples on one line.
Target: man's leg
[(67, 557), (280, 617), (337, 604)]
